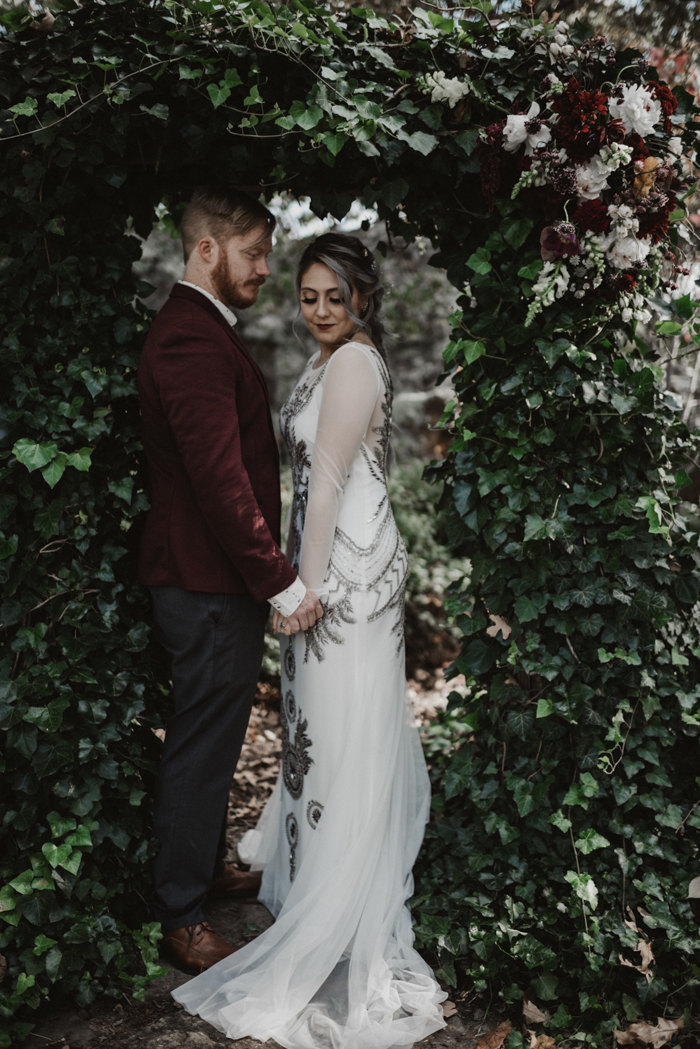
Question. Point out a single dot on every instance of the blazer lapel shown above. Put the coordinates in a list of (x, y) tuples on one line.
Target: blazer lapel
[(182, 291)]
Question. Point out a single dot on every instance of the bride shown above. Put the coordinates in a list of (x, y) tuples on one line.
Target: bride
[(340, 833)]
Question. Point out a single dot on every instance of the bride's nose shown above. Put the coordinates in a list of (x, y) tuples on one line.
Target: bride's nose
[(322, 309)]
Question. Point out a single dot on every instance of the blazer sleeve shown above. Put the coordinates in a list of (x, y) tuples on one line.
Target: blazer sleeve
[(198, 375)]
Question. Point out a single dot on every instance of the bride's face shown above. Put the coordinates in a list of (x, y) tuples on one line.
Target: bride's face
[(326, 317)]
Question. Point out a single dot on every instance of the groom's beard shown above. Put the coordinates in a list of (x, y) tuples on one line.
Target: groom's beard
[(234, 293)]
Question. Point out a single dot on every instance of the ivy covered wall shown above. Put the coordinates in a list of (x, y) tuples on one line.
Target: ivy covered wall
[(571, 797)]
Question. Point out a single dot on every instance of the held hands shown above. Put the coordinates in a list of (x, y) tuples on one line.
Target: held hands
[(305, 616)]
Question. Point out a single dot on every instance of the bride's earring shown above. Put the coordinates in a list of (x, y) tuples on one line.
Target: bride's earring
[(364, 309)]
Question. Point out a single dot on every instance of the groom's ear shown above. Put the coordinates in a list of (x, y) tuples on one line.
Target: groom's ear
[(208, 250)]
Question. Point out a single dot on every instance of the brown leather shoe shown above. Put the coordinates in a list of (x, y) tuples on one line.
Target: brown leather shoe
[(194, 948), (233, 884)]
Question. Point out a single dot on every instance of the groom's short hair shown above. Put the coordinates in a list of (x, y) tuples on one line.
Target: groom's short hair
[(222, 213)]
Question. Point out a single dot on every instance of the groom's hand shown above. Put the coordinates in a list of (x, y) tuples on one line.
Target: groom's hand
[(305, 616)]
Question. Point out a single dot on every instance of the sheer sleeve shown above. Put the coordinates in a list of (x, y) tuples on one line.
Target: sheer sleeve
[(350, 390)]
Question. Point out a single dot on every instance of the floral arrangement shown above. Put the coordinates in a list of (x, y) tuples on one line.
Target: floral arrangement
[(600, 160)]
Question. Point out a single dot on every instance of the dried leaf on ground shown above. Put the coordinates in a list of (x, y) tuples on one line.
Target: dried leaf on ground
[(541, 1041), (495, 1039), (3, 967), (499, 624), (644, 948), (644, 1033), (448, 1009), (532, 1014)]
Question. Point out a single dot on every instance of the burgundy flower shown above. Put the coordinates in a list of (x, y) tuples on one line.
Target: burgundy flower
[(563, 180), (639, 149), (669, 102), (489, 152), (584, 124), (558, 242), (625, 282), (654, 223), (592, 215)]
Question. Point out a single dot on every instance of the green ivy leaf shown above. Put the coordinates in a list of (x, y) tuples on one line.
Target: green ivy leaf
[(22, 884), (669, 328), (467, 140), (472, 351), (80, 459), (529, 272), (48, 718), (56, 854), (529, 608), (394, 192), (60, 825), (560, 821), (8, 547), (591, 840), (306, 117), (335, 142), (60, 98), (515, 230), (42, 944), (623, 404), (218, 95), (160, 111), (25, 109), (545, 987), (33, 455), (420, 141), (584, 887), (80, 838), (53, 473), (231, 78), (24, 982), (480, 261)]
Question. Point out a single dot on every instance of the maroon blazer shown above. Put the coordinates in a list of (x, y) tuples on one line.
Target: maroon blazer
[(213, 463)]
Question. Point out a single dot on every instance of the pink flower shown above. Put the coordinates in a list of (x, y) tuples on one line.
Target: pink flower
[(558, 242)]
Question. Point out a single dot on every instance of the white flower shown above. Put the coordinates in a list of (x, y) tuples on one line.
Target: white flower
[(442, 89), (591, 178), (627, 314), (624, 220), (675, 145), (638, 110), (615, 155), (552, 283), (625, 252), (561, 50), (525, 128)]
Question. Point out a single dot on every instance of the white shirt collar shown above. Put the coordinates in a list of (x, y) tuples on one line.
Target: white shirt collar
[(223, 310)]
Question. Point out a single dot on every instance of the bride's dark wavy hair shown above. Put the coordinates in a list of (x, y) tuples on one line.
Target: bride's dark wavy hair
[(356, 269)]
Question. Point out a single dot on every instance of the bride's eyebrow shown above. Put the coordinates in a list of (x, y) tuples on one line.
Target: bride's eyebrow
[(313, 290)]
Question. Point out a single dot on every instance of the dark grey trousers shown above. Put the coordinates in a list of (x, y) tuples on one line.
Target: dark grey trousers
[(216, 645)]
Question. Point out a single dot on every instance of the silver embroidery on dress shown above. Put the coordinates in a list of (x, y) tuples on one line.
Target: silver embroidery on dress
[(380, 568), (292, 829), (290, 663), (295, 759), (314, 811)]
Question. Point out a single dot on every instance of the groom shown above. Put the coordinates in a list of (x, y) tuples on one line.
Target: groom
[(209, 553)]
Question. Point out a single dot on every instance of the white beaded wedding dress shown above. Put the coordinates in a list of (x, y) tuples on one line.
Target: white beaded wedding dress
[(340, 833)]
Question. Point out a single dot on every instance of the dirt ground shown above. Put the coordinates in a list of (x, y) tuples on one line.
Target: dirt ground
[(157, 1023)]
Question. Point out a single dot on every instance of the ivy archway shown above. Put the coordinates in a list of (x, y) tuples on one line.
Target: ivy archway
[(562, 486)]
